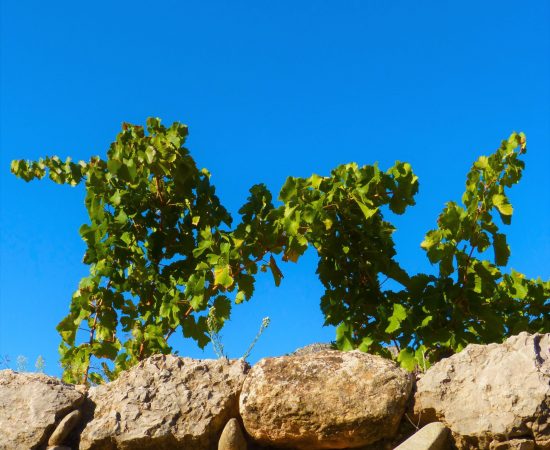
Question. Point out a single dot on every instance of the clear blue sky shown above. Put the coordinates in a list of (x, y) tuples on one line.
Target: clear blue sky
[(268, 89)]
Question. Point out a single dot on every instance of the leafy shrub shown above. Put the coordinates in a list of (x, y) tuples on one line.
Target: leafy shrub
[(163, 255)]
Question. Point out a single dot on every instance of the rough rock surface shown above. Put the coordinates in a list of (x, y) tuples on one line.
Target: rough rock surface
[(323, 400), (514, 444), (312, 348), (165, 402), (31, 404), (488, 394), (433, 436), (232, 437)]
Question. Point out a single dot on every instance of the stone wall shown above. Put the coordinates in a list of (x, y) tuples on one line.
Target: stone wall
[(491, 397)]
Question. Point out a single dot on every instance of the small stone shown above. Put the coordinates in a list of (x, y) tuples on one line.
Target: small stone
[(433, 436), (58, 447), (64, 428), (232, 437)]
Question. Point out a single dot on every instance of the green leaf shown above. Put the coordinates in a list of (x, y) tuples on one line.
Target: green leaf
[(315, 181), (105, 349), (121, 217), (246, 285), (343, 337), (367, 212), (407, 359), (222, 308), (482, 163), (288, 190), (67, 329), (115, 198), (198, 302), (275, 271), (399, 314), (113, 165), (239, 298), (150, 154), (222, 277), (502, 204), (502, 250), (432, 238), (366, 344), (426, 321), (202, 247)]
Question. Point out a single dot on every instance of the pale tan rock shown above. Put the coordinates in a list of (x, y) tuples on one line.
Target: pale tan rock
[(434, 436), (165, 402), (30, 406), (487, 393), (513, 444), (312, 348), (328, 399), (82, 388), (64, 428), (58, 447), (232, 437)]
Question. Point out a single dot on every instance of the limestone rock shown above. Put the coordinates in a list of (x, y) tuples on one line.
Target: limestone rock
[(31, 404), (312, 348), (328, 399), (232, 437), (514, 444), (64, 428), (487, 394), (434, 436), (165, 402)]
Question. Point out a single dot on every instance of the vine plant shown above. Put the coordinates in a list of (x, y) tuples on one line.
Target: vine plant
[(163, 256), (159, 249)]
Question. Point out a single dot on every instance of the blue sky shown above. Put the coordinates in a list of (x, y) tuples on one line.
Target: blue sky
[(268, 90)]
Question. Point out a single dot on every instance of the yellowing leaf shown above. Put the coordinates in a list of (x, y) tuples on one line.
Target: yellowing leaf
[(222, 277), (502, 204), (367, 212)]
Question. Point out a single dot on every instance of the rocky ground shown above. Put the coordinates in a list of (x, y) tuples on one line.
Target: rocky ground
[(489, 397)]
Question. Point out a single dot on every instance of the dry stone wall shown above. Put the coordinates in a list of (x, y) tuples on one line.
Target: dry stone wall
[(490, 397)]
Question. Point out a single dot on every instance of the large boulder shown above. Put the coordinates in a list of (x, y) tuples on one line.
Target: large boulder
[(165, 402), (488, 394), (31, 406), (322, 400)]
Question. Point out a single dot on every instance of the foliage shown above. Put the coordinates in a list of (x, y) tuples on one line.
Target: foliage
[(341, 216), (471, 300), (265, 323), (21, 363), (5, 361), (40, 364), (157, 249), (163, 257)]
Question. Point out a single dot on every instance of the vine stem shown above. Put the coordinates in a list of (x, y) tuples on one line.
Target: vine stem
[(91, 340)]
